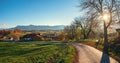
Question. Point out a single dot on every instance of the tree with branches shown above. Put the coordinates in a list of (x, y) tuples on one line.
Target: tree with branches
[(81, 27), (107, 12), (87, 24)]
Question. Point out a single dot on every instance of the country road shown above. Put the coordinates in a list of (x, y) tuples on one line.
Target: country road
[(88, 54)]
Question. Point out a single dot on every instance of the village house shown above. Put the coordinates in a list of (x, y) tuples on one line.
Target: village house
[(33, 36), (38, 36), (5, 38), (54, 36)]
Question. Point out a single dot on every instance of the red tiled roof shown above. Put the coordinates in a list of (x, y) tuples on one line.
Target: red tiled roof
[(31, 36)]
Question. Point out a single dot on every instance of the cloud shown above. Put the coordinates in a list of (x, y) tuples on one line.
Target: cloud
[(3, 25)]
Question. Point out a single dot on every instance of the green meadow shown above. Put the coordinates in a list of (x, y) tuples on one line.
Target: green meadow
[(36, 53)]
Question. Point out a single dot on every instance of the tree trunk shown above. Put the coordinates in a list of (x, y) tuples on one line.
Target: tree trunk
[(85, 36), (105, 49)]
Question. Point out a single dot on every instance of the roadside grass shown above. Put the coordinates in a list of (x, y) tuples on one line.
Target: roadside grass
[(36, 53), (44, 41), (82, 40), (114, 51)]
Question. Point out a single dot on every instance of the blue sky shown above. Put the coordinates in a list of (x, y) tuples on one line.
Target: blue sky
[(37, 12)]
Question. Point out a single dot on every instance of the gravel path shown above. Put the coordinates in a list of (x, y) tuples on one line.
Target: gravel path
[(88, 54)]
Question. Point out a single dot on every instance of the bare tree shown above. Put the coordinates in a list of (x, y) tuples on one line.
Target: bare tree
[(81, 26), (86, 23), (100, 7), (71, 31)]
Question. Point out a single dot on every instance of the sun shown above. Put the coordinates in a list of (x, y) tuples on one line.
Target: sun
[(106, 17)]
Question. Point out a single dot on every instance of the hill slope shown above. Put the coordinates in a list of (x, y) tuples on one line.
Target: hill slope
[(44, 27)]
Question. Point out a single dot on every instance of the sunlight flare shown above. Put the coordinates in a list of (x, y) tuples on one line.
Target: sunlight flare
[(106, 17)]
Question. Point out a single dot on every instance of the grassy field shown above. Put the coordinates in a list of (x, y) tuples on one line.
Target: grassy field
[(35, 53)]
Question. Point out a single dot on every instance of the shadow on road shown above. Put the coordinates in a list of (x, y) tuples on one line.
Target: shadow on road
[(105, 58)]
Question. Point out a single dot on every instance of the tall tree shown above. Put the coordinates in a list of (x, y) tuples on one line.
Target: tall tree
[(86, 24), (102, 7), (67, 30), (71, 31)]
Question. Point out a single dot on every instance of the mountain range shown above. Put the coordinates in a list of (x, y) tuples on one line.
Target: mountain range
[(39, 27)]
